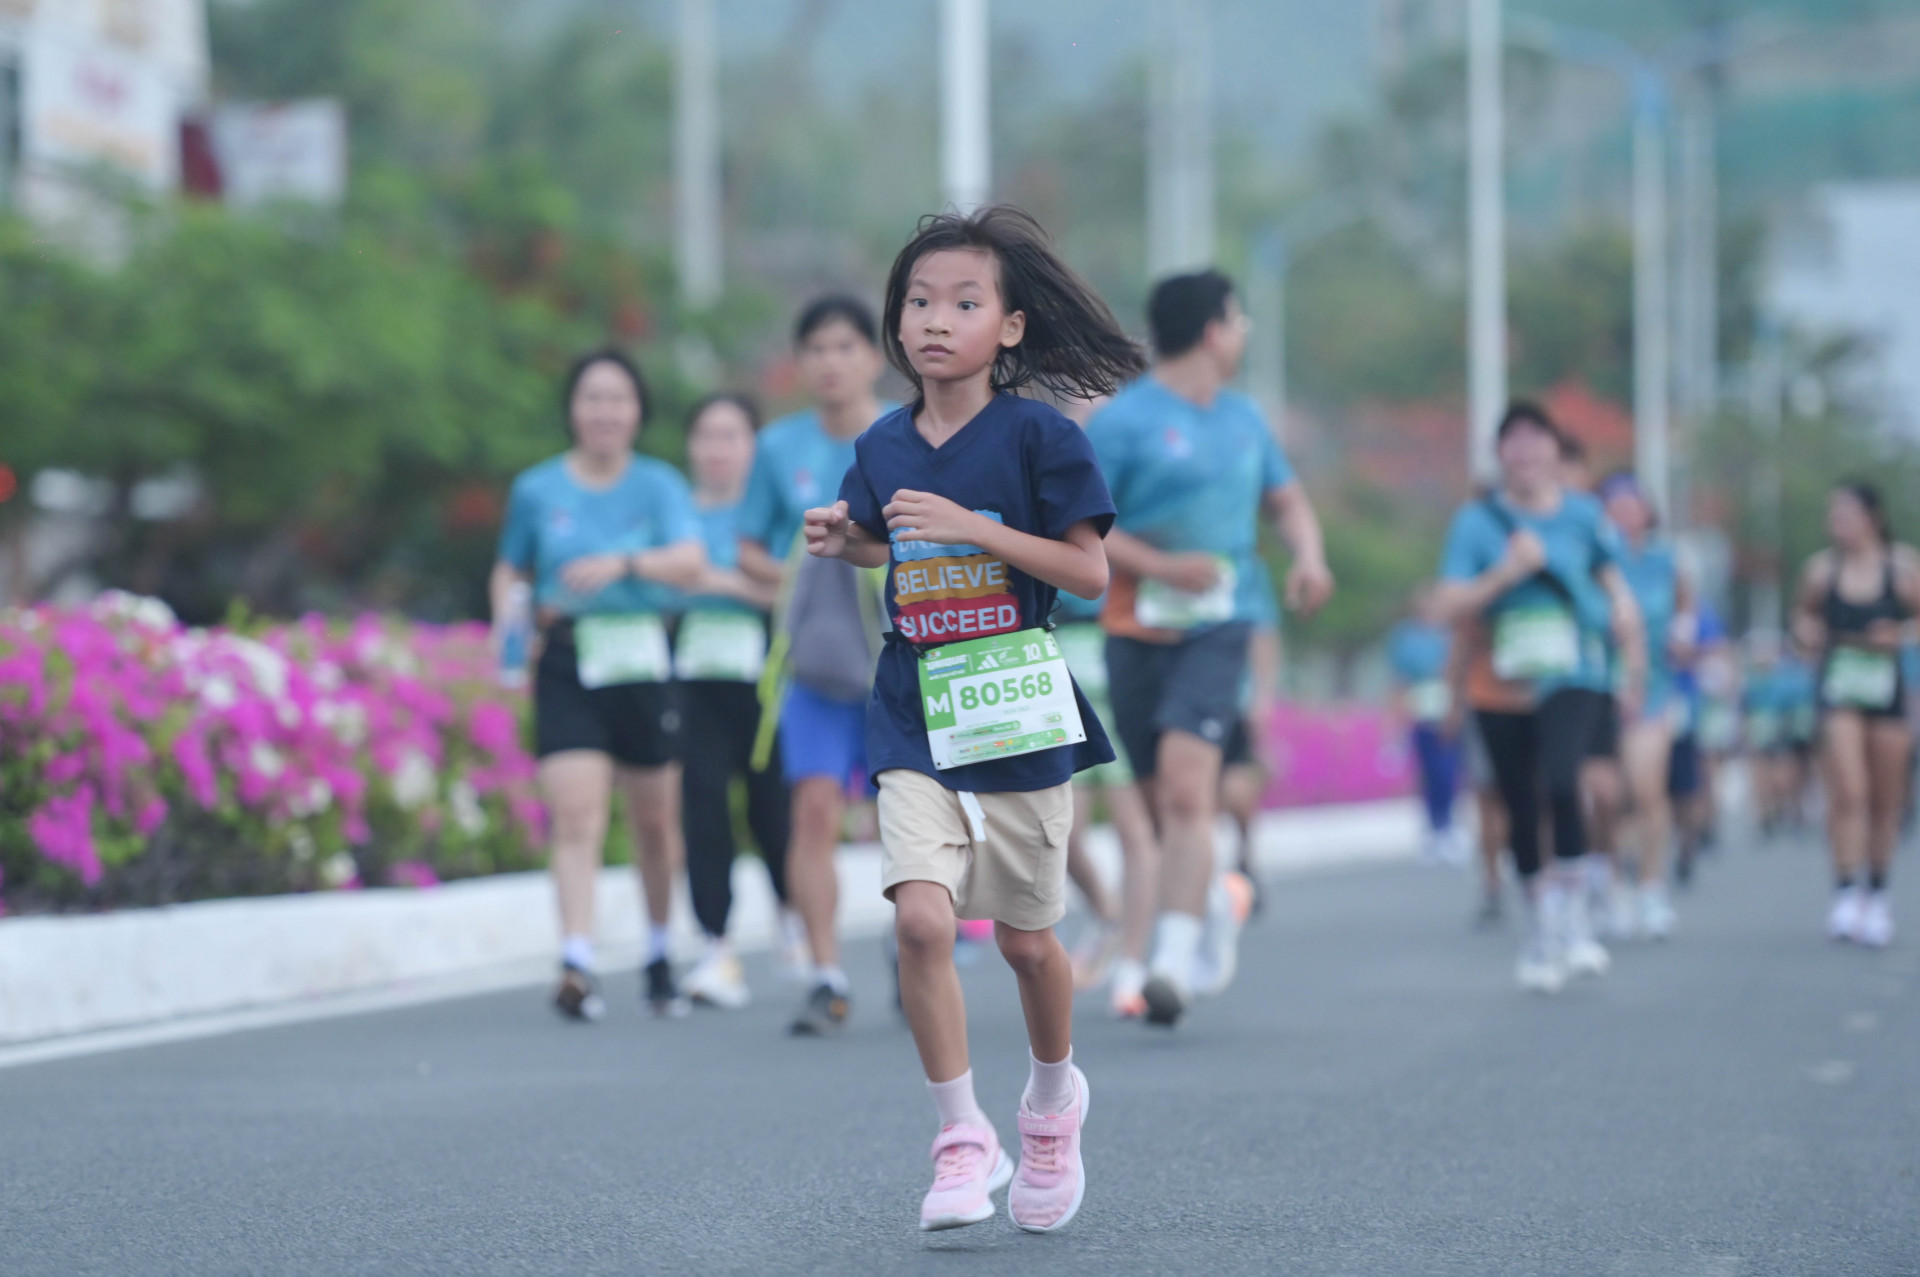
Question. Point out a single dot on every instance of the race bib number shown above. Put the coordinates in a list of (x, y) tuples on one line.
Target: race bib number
[(1535, 642), (728, 647), (1159, 606), (1429, 701), (996, 697), (622, 649), (1858, 679), (1765, 729), (1718, 727), (1085, 650)]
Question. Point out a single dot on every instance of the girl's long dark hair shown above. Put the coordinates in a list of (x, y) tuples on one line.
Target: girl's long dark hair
[(1073, 345)]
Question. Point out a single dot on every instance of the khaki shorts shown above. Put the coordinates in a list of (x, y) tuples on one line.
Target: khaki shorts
[(1016, 874)]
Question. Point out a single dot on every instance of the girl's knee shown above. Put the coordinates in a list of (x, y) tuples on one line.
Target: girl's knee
[(923, 921), (1026, 951)]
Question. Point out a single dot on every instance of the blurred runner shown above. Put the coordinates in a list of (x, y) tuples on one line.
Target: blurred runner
[(1856, 603), (602, 534), (1766, 711), (1418, 650), (1193, 467), (1536, 566), (1603, 782), (1708, 688), (1664, 595), (1245, 768), (827, 626), (720, 651)]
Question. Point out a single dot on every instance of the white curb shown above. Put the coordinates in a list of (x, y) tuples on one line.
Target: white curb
[(216, 966)]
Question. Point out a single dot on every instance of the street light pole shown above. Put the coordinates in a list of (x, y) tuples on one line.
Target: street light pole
[(966, 143), (1486, 237), (1179, 137), (696, 157), (1651, 330)]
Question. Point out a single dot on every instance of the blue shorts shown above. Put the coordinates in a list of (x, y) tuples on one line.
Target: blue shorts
[(822, 737)]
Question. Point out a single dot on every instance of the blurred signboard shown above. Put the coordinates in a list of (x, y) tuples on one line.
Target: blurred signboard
[(86, 103), (281, 151)]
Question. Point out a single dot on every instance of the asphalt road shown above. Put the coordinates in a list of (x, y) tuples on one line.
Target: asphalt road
[(1372, 1097)]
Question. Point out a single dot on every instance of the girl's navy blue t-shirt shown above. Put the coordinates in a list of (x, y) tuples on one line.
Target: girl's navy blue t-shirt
[(1021, 463)]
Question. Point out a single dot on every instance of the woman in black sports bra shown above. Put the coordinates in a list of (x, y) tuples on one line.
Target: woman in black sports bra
[(1855, 607)]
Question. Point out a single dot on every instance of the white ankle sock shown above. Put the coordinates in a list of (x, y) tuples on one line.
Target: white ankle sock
[(1177, 945), (1049, 1086), (955, 1101), (656, 941), (836, 979), (577, 951)]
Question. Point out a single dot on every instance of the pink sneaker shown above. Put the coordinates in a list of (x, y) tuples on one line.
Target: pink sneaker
[(968, 1167), (1051, 1181)]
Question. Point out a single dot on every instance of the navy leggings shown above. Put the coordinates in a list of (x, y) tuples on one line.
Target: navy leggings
[(1438, 758)]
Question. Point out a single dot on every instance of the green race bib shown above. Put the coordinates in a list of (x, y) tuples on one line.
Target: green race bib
[(1764, 729), (1859, 679), (622, 649), (1429, 701), (1159, 606), (994, 697), (728, 647), (1534, 643)]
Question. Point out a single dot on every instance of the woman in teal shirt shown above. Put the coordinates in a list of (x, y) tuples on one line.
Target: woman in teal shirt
[(1531, 569), (1665, 596), (603, 536)]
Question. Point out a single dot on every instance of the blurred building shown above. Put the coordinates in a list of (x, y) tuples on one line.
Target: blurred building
[(92, 94), (1851, 268)]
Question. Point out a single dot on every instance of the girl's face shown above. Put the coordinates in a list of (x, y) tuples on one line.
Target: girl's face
[(954, 323), (1529, 457), (1849, 523), (605, 411), (838, 365), (1629, 513), (720, 447)]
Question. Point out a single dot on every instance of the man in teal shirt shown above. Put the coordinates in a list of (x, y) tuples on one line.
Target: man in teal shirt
[(1193, 467)]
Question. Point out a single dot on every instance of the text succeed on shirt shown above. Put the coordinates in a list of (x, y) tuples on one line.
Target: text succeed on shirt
[(946, 592)]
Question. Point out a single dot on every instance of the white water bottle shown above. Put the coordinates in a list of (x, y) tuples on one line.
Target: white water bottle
[(513, 635)]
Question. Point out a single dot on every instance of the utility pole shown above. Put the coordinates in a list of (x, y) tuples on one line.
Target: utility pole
[(1766, 378), (1266, 299), (1486, 237), (1180, 137), (966, 142), (696, 157), (1651, 318)]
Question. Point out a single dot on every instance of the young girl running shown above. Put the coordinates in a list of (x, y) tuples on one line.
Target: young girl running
[(984, 504)]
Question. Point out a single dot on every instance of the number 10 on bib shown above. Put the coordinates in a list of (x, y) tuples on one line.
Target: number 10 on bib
[(998, 696)]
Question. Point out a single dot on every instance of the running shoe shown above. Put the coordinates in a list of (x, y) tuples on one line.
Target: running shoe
[(1843, 920), (1656, 913), (1124, 990), (969, 1166), (1229, 904), (663, 996), (1624, 914), (823, 1014), (1875, 925), (1542, 965), (578, 997), (1051, 1182), (1491, 913), (1166, 1001), (1585, 955), (717, 981), (1093, 955)]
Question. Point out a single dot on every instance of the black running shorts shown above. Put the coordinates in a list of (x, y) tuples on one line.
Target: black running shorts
[(1191, 686), (636, 724)]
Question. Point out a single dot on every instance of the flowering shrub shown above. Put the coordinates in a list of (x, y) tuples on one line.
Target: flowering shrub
[(142, 762)]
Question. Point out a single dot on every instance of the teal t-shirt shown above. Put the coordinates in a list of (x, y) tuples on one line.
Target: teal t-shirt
[(1418, 652), (1189, 479), (1579, 542), (720, 533), (797, 466), (552, 519), (1653, 574)]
